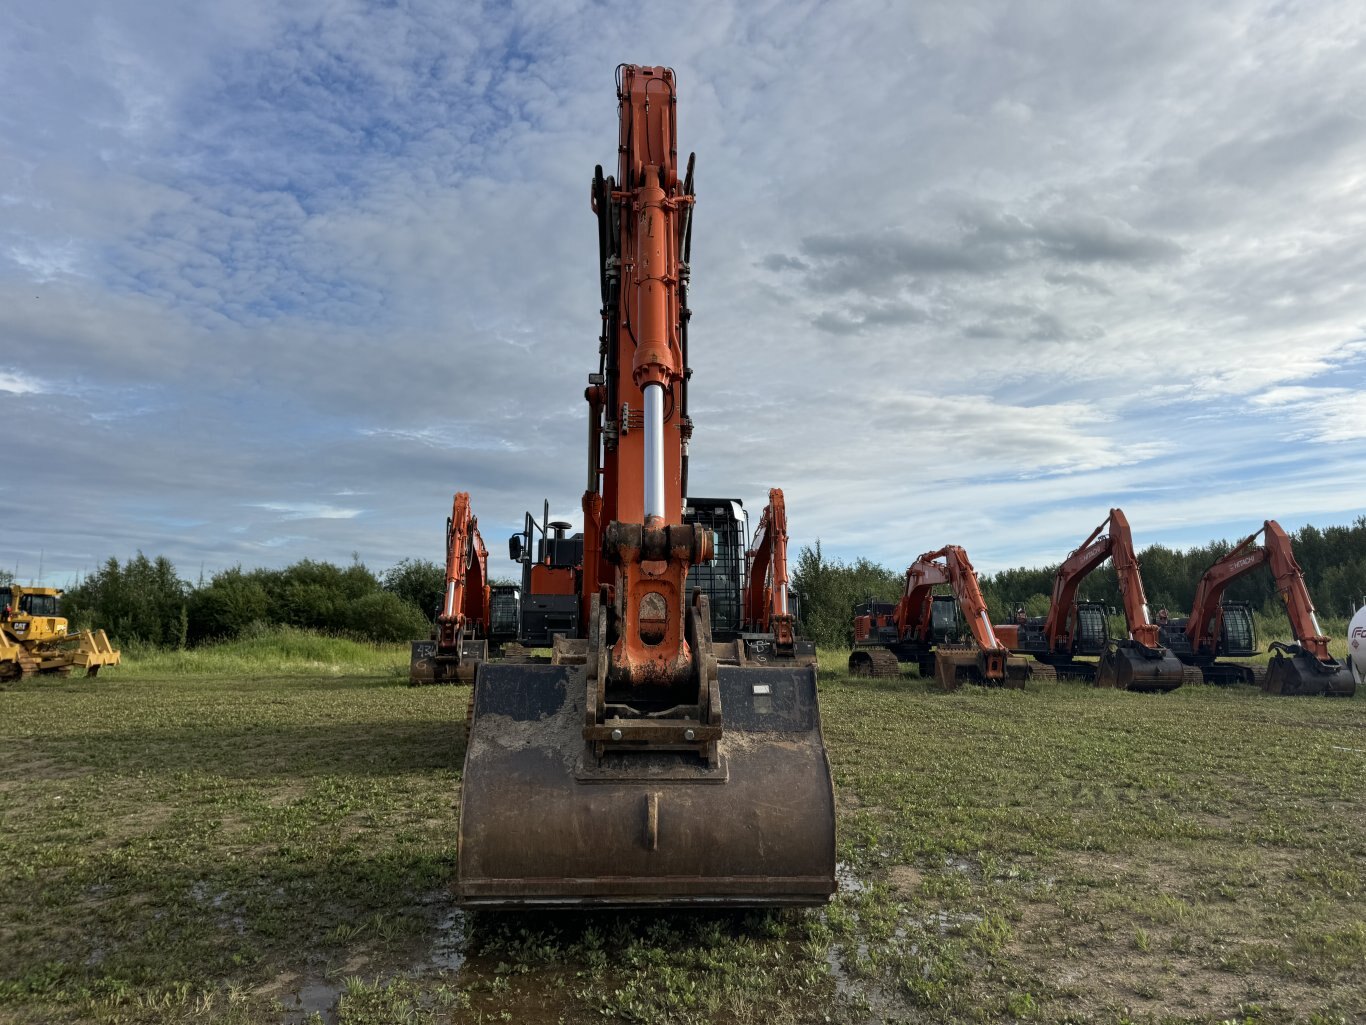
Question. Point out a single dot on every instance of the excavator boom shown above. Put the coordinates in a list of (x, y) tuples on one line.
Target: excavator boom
[(461, 636), (636, 769)]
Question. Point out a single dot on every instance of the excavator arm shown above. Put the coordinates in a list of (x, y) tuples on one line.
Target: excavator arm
[(766, 580), (1206, 618), (462, 624), (1290, 586), (465, 603), (1141, 662), (1059, 624), (1141, 628)]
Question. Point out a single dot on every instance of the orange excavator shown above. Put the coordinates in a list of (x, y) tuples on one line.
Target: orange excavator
[(1220, 629), (460, 639), (1072, 628), (768, 627), (634, 769), (916, 636)]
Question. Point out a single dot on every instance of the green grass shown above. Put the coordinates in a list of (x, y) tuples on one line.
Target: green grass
[(230, 845), (272, 652)]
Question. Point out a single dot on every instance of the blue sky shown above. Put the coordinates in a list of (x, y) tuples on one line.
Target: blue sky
[(275, 282)]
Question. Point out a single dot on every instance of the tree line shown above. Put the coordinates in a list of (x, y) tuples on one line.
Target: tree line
[(146, 601), (1333, 560)]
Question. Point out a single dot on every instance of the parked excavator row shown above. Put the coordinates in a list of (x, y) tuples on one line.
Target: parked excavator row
[(643, 754), (919, 629), (34, 639), (1218, 630)]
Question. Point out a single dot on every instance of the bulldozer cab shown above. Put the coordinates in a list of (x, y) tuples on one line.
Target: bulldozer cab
[(31, 613)]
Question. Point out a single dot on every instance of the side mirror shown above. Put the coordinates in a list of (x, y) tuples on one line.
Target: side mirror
[(515, 548)]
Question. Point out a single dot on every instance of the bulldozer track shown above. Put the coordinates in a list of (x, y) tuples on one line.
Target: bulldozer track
[(874, 662)]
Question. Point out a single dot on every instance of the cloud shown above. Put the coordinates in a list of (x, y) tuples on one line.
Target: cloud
[(17, 383), (256, 260)]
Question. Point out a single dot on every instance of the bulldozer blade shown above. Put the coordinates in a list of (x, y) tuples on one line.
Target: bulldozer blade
[(1303, 674), (543, 822), (1134, 667)]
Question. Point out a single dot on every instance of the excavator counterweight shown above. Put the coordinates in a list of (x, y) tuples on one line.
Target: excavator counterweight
[(642, 765)]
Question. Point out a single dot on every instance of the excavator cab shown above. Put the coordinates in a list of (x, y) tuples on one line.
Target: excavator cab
[(505, 612), (1237, 633), (721, 579), (552, 562), (946, 625), (1091, 628)]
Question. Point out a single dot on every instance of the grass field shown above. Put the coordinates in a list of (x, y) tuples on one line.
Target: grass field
[(266, 834)]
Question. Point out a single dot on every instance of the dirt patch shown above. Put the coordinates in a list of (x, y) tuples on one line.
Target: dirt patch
[(904, 879)]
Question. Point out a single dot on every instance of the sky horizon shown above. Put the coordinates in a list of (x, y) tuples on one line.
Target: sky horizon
[(275, 283)]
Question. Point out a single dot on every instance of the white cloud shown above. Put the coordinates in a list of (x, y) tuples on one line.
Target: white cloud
[(1054, 260)]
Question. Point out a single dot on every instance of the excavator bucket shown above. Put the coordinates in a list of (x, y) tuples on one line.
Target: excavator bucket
[(543, 822), (1133, 666), (954, 666), (1297, 672), (427, 665)]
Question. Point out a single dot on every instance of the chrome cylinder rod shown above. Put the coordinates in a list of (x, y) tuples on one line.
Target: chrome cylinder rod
[(654, 450)]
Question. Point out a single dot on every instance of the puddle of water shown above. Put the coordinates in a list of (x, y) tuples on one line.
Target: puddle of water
[(315, 996), (448, 948), (847, 881)]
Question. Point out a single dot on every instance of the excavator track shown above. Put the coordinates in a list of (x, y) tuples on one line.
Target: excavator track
[(1192, 675), (873, 661), (1043, 672)]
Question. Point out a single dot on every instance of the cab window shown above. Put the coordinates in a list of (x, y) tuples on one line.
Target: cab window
[(39, 604)]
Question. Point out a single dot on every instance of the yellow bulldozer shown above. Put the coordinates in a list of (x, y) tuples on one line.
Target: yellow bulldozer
[(34, 639)]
